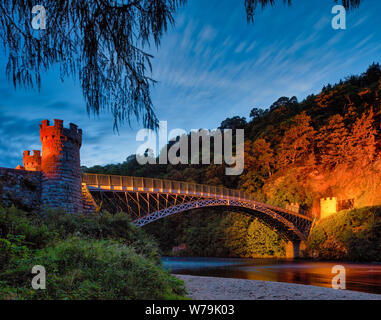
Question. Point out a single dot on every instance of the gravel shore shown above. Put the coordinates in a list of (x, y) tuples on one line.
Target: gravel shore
[(208, 288)]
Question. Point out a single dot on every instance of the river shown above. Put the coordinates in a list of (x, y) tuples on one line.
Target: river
[(359, 276)]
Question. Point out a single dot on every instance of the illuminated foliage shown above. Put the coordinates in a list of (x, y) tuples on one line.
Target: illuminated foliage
[(362, 143), (332, 143), (296, 144)]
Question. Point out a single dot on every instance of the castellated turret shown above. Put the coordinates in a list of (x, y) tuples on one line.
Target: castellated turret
[(328, 207), (60, 166), (32, 162)]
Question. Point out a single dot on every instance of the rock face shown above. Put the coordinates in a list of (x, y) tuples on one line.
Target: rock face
[(51, 180)]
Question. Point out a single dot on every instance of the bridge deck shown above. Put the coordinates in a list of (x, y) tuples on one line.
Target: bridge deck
[(99, 182)]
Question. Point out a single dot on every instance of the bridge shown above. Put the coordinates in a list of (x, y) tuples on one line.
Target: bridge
[(146, 200)]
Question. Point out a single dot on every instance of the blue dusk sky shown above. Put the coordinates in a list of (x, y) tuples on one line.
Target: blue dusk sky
[(211, 65)]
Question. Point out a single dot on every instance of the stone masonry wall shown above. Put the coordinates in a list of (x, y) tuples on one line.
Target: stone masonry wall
[(20, 188), (61, 178)]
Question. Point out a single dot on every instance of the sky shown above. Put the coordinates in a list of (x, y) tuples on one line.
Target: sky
[(211, 65)]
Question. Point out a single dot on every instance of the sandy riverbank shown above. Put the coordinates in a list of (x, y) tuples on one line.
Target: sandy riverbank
[(207, 288)]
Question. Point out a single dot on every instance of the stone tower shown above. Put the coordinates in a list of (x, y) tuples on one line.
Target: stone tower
[(328, 207), (61, 167), (32, 162)]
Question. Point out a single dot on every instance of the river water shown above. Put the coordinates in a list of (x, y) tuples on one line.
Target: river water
[(359, 276)]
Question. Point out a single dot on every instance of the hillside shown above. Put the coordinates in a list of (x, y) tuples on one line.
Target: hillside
[(326, 145)]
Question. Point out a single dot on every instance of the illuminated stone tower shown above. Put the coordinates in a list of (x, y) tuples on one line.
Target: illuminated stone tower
[(60, 166), (32, 162), (328, 207)]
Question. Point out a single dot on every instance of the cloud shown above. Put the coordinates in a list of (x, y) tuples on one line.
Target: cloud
[(241, 47), (16, 135), (207, 34)]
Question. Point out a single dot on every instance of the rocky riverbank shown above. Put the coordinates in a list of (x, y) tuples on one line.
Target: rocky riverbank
[(208, 288)]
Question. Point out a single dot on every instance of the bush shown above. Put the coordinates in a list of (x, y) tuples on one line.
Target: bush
[(90, 269), (36, 233), (49, 227), (105, 226), (86, 257), (349, 235)]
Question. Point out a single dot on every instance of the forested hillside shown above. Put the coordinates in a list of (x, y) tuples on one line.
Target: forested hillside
[(298, 152), (325, 145)]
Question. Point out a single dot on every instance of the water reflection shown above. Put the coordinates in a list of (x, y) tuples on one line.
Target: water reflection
[(360, 277)]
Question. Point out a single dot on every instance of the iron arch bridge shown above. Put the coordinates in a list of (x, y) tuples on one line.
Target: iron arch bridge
[(146, 200)]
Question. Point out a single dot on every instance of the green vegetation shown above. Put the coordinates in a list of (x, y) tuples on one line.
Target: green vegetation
[(353, 235), (99, 257), (218, 234)]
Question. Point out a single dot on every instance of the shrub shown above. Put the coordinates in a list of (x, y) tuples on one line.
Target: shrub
[(40, 230), (90, 269), (105, 226), (349, 235), (86, 257), (36, 234)]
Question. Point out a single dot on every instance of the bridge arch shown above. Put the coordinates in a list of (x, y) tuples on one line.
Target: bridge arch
[(147, 200), (286, 228)]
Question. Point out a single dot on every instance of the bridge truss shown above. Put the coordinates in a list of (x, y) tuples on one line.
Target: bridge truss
[(146, 200)]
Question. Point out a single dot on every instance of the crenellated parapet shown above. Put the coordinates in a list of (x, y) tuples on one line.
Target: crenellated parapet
[(59, 133), (32, 162)]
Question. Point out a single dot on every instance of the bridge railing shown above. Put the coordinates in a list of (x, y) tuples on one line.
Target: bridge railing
[(112, 182), (160, 185)]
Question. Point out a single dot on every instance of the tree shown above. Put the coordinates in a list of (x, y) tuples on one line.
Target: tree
[(236, 233), (372, 75), (259, 163), (362, 140), (259, 157), (251, 5), (291, 189), (296, 143), (332, 143), (263, 241), (233, 123), (257, 114), (99, 42), (284, 102)]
